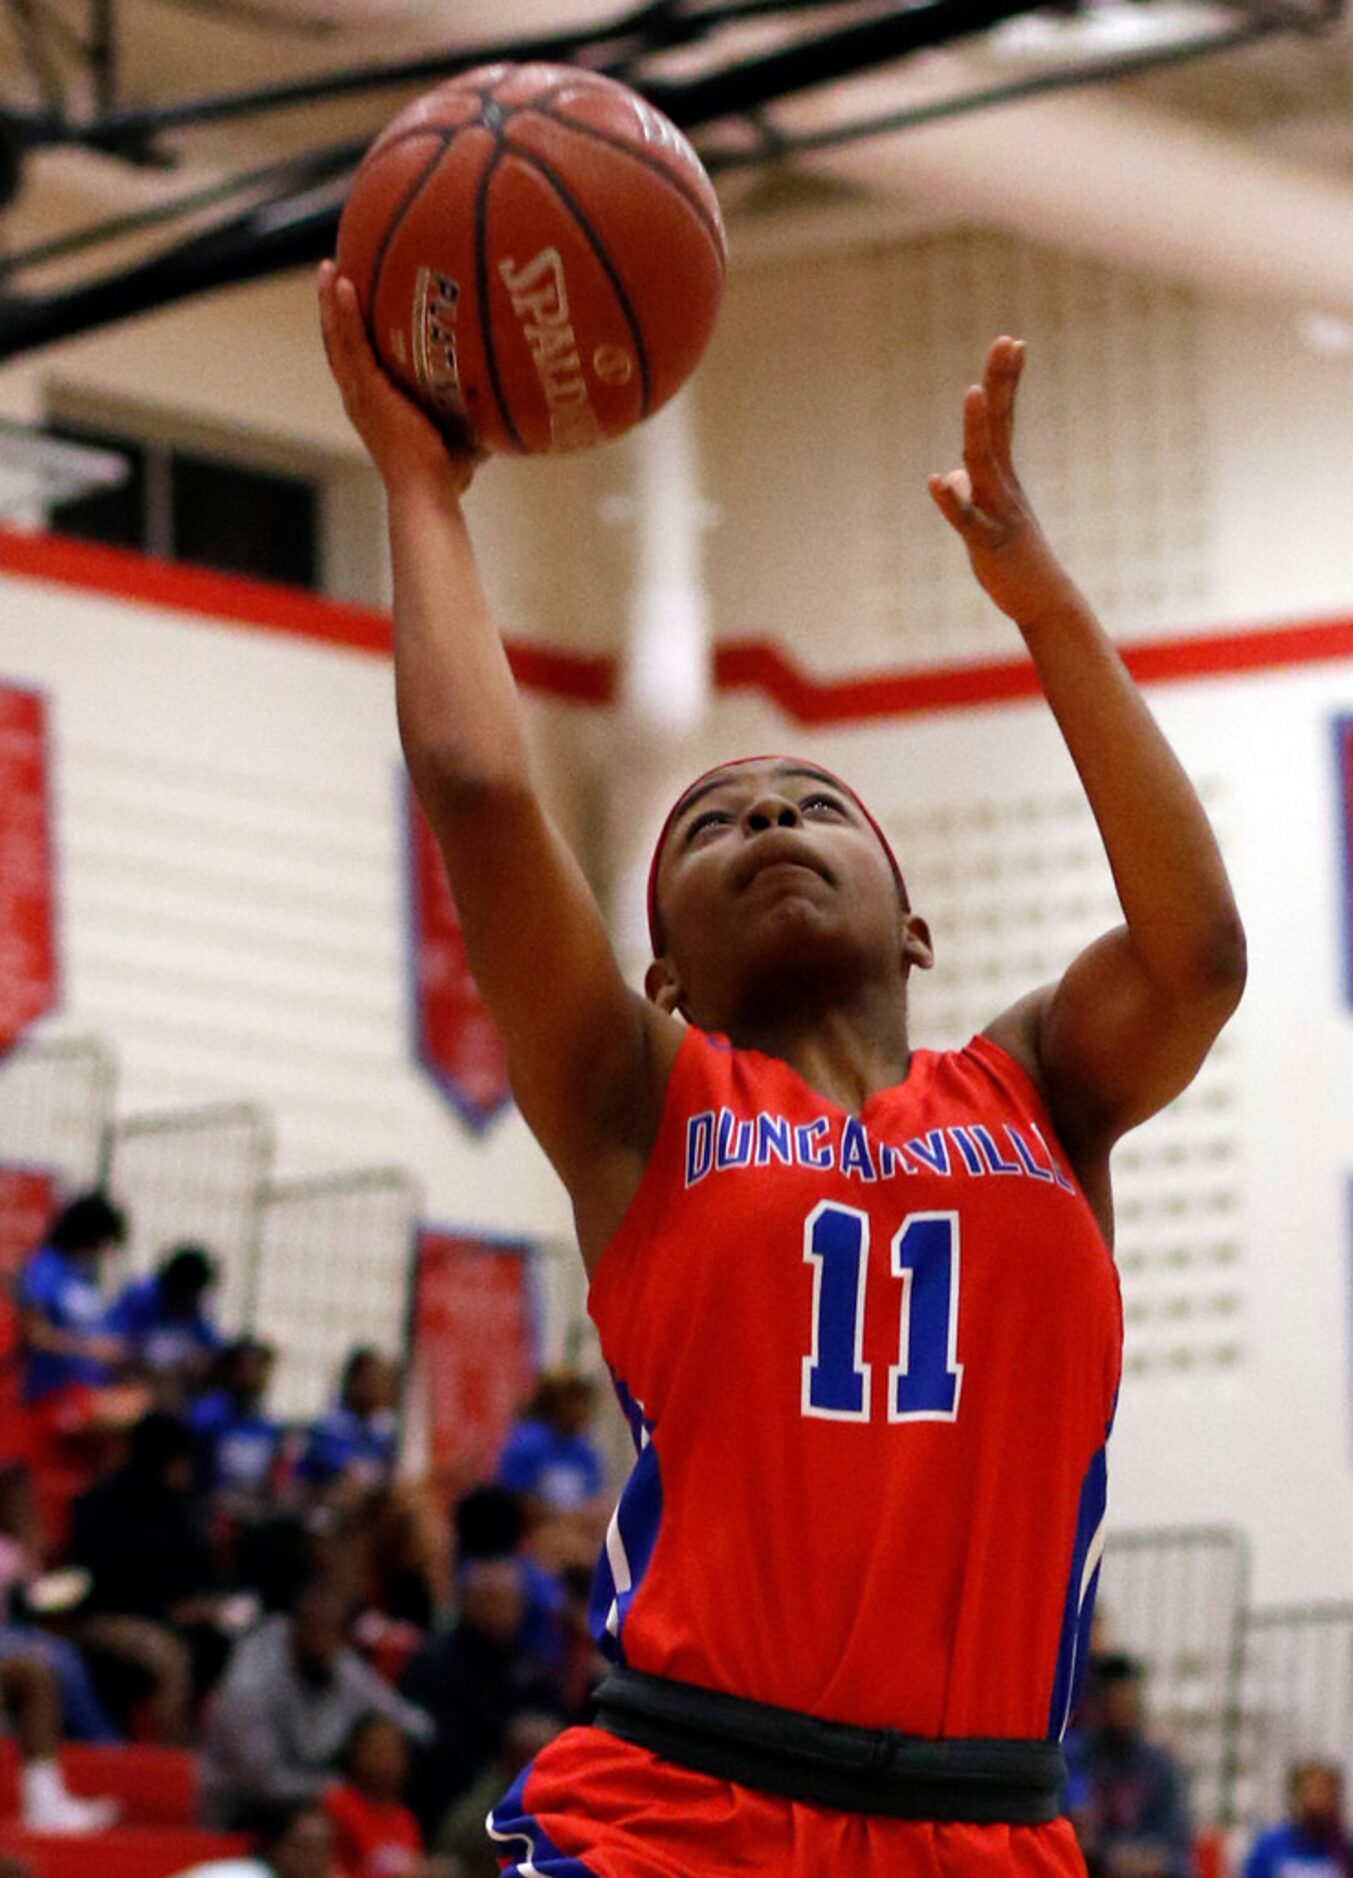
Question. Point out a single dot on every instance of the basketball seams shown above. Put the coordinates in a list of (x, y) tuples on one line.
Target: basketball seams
[(533, 103), (692, 201), (392, 228), (482, 286), (445, 132), (544, 102), (604, 260), (487, 188)]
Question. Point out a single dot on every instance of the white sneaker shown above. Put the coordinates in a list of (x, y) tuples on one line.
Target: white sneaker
[(48, 1807)]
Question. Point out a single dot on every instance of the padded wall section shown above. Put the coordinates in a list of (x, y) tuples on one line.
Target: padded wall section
[(835, 386)]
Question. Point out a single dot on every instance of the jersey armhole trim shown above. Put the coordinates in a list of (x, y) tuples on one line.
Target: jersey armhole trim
[(1000, 1059), (677, 1077), (996, 1058)]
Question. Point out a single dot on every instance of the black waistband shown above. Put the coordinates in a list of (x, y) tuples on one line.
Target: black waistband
[(855, 1770)]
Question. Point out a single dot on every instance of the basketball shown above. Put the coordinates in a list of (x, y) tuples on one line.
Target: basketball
[(538, 255)]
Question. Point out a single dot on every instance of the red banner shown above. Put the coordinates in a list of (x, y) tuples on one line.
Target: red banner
[(474, 1347), (27, 912), (457, 1042)]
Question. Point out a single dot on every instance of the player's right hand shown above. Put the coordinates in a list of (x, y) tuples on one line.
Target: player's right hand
[(401, 440)]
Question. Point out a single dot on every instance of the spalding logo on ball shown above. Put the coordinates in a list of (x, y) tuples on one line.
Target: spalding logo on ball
[(538, 254)]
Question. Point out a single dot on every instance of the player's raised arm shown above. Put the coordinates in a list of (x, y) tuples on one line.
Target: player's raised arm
[(587, 1057), (1129, 1024)]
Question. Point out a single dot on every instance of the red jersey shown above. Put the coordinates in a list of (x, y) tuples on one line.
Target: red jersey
[(376, 1838), (870, 1363)]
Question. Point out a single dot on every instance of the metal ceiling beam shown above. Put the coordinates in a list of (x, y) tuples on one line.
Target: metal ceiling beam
[(721, 159), (255, 246), (619, 47), (647, 28), (288, 229), (827, 58)]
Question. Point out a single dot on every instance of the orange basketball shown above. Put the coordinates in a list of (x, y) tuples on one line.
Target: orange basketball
[(538, 254)]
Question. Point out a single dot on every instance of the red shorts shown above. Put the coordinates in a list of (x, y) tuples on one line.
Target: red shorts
[(593, 1806)]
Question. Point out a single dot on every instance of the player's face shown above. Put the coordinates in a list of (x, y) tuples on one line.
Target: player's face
[(771, 876)]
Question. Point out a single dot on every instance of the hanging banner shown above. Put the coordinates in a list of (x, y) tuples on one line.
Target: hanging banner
[(456, 1040), (1343, 751), (29, 1196), (28, 972), (474, 1348)]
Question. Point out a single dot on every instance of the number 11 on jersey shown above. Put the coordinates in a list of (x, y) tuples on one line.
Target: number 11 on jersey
[(925, 1381)]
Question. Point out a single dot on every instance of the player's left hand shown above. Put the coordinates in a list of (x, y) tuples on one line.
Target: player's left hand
[(985, 504)]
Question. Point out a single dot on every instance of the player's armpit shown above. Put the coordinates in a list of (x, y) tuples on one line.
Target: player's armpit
[(587, 1056), (1110, 1045)]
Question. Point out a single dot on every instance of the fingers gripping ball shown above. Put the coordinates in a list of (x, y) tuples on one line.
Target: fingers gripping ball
[(538, 254)]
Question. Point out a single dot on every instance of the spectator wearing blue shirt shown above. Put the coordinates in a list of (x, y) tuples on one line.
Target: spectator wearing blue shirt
[(240, 1443), (351, 1451), (548, 1458), (64, 1337), (1312, 1842), (1135, 1821), (164, 1321)]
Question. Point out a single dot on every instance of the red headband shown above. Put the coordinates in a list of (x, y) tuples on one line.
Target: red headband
[(654, 930)]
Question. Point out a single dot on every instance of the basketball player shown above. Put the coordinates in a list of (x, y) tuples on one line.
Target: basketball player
[(857, 1298)]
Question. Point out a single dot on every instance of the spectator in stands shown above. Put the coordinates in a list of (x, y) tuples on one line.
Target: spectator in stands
[(241, 1444), (66, 1347), (289, 1702), (583, 1665), (490, 1522), (376, 1834), (461, 1835), (25, 1591), (352, 1449), (1313, 1841), (292, 1839), (155, 1603), (30, 1694), (410, 1549), (163, 1322), (1135, 1819), (75, 1411), (472, 1679), (549, 1460)]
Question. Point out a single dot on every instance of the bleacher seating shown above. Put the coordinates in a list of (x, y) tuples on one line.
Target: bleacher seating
[(154, 1786), (157, 1791), (126, 1852)]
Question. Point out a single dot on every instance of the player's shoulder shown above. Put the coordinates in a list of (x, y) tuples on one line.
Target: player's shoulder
[(703, 1065), (1015, 1033)]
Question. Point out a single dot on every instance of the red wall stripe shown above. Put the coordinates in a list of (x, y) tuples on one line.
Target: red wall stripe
[(590, 678), (225, 597)]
